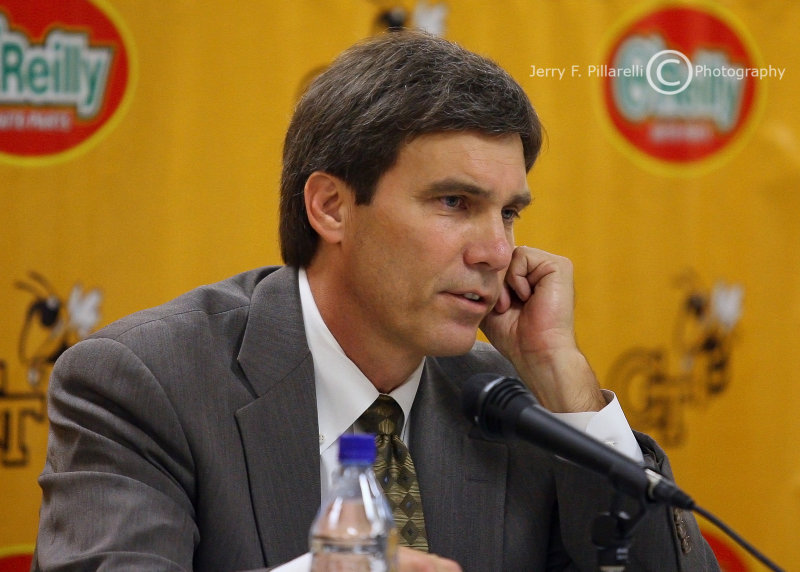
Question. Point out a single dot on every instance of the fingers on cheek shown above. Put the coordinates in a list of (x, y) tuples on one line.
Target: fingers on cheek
[(503, 302), (521, 286)]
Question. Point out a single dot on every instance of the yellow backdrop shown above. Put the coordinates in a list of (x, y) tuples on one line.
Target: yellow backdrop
[(181, 190)]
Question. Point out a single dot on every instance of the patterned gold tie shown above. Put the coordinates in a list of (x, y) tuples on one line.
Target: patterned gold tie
[(395, 470)]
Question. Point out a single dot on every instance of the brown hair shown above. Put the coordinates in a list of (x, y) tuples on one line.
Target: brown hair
[(379, 95)]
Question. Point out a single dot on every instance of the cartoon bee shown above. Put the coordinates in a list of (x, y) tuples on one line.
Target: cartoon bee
[(655, 393), (52, 324), (393, 15)]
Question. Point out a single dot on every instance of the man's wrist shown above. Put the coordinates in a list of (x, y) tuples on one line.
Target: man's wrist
[(563, 381)]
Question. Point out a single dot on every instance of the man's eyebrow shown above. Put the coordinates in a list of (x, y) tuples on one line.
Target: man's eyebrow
[(521, 199)]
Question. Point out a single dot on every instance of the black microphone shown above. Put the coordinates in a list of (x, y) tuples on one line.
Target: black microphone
[(503, 407)]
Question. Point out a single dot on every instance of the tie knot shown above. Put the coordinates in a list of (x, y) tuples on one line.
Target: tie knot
[(383, 417)]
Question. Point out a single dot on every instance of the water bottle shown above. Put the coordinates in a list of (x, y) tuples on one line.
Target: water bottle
[(354, 530)]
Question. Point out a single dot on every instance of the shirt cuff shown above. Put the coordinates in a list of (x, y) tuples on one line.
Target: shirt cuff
[(608, 425)]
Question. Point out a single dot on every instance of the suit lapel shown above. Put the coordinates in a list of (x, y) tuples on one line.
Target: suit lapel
[(462, 477), (279, 428)]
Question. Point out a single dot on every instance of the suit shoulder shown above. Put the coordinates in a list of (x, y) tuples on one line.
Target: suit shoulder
[(229, 296)]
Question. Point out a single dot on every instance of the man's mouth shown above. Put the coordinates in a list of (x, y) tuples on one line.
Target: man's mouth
[(474, 296)]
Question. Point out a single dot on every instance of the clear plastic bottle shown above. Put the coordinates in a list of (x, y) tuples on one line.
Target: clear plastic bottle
[(354, 530)]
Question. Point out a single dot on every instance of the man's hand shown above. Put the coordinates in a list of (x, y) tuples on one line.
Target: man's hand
[(532, 325), (409, 560)]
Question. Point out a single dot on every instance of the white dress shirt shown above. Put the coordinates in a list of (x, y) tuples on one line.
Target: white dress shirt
[(344, 393)]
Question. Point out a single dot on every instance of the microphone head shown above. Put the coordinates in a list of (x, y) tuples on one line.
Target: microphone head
[(472, 393), (493, 402)]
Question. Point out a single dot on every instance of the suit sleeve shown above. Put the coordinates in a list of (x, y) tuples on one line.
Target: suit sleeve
[(118, 480)]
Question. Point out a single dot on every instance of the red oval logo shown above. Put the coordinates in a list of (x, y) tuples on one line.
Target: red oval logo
[(681, 85), (66, 74), (16, 558)]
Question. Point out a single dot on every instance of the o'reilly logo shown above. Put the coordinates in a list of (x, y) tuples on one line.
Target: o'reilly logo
[(696, 92), (676, 92), (63, 71), (66, 75)]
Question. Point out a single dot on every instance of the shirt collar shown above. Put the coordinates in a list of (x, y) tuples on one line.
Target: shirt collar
[(343, 391)]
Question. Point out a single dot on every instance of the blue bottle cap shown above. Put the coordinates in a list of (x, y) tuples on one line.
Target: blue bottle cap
[(357, 449)]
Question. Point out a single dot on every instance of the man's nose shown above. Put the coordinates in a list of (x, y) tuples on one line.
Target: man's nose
[(490, 244)]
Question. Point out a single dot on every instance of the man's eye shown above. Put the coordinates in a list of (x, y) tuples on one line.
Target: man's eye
[(452, 201), (510, 215)]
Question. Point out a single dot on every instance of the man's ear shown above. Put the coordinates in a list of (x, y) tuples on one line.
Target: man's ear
[(327, 200)]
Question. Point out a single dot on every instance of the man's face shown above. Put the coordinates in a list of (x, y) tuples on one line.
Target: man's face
[(424, 262)]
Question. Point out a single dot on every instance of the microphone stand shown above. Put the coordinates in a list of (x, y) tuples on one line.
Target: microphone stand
[(502, 407), (612, 533)]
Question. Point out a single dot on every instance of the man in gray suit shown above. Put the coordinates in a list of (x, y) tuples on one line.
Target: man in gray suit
[(201, 434)]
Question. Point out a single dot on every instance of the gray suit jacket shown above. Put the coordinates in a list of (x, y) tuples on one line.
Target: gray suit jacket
[(185, 437)]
